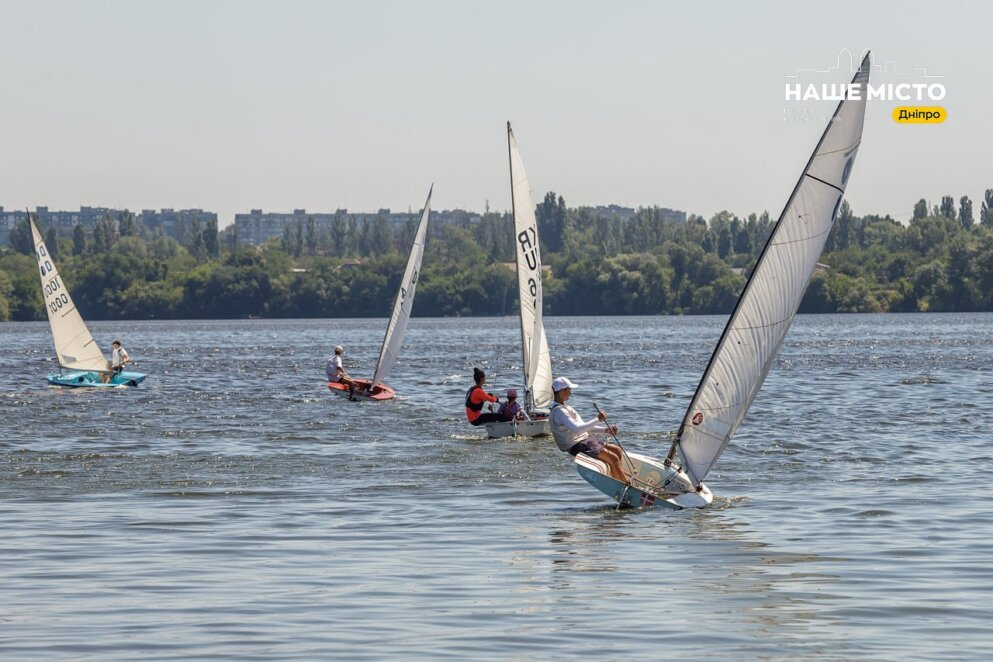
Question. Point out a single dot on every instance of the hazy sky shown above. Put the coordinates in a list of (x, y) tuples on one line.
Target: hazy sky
[(232, 105)]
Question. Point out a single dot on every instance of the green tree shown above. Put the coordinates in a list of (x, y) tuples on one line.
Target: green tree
[(311, 238), (210, 239), (841, 234), (986, 211), (20, 237), (23, 297), (103, 235), (818, 297), (720, 225), (52, 242), (719, 297), (126, 224), (947, 206), (78, 240), (551, 217), (920, 209), (381, 239), (963, 290), (743, 239), (965, 212), (6, 292)]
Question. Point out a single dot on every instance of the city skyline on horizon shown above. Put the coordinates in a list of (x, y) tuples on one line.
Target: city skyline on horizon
[(326, 105)]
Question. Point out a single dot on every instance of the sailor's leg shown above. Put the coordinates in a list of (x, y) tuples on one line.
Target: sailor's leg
[(612, 456)]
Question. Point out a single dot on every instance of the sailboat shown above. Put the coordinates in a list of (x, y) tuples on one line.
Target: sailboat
[(81, 363), (537, 363), (756, 329), (375, 389)]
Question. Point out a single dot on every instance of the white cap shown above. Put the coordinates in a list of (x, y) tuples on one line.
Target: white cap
[(338, 349), (561, 383)]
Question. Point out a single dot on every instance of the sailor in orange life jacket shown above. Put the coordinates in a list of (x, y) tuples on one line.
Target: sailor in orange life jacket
[(474, 399)]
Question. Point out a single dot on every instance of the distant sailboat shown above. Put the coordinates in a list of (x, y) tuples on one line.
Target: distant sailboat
[(375, 389), (81, 363), (537, 362), (755, 330)]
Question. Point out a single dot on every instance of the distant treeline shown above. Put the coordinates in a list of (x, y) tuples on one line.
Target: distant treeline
[(941, 261)]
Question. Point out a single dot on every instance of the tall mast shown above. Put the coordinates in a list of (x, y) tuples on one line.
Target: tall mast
[(528, 396)]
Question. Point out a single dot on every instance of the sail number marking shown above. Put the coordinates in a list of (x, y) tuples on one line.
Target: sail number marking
[(56, 304), (51, 287), (528, 242)]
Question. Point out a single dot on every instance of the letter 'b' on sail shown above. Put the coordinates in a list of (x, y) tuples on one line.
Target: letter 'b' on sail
[(74, 345), (772, 295)]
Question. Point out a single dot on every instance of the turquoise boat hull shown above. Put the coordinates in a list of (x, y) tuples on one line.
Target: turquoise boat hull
[(84, 379)]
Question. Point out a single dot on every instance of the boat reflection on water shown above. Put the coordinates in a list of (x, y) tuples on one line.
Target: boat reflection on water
[(606, 554)]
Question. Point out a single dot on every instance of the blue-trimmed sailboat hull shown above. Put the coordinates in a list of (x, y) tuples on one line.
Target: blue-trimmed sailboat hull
[(651, 479), (85, 379)]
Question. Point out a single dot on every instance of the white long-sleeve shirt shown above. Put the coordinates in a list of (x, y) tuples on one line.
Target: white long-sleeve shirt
[(569, 428)]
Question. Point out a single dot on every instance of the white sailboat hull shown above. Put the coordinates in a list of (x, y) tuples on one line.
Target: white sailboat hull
[(649, 488), (518, 429)]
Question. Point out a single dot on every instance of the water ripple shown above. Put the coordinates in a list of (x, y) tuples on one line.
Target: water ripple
[(231, 507)]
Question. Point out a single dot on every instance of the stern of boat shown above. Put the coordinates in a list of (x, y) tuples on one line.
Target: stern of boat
[(533, 428), (128, 379)]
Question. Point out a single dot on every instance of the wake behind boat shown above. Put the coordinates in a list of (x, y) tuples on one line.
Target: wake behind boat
[(755, 330), (81, 362), (375, 389), (537, 362)]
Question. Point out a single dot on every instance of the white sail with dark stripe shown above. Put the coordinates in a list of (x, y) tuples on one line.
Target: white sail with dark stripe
[(537, 360), (768, 305), (74, 344), (404, 303)]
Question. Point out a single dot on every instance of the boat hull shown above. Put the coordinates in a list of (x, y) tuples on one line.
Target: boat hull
[(532, 428), (85, 379), (377, 393), (647, 490)]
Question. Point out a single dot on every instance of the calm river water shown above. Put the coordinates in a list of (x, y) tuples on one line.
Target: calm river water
[(231, 506)]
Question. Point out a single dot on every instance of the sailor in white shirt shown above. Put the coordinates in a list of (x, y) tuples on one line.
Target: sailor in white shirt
[(572, 433), (336, 372), (119, 358)]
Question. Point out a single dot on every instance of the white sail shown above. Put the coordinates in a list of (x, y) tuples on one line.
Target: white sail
[(404, 301), (74, 345), (772, 295), (537, 360)]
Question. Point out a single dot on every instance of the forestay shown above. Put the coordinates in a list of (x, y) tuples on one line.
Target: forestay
[(404, 301), (74, 345), (772, 295), (537, 361)]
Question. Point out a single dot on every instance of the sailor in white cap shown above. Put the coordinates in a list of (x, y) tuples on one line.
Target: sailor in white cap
[(572, 433)]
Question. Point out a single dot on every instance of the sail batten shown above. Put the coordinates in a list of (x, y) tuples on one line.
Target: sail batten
[(404, 302), (74, 345), (767, 307), (537, 363)]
